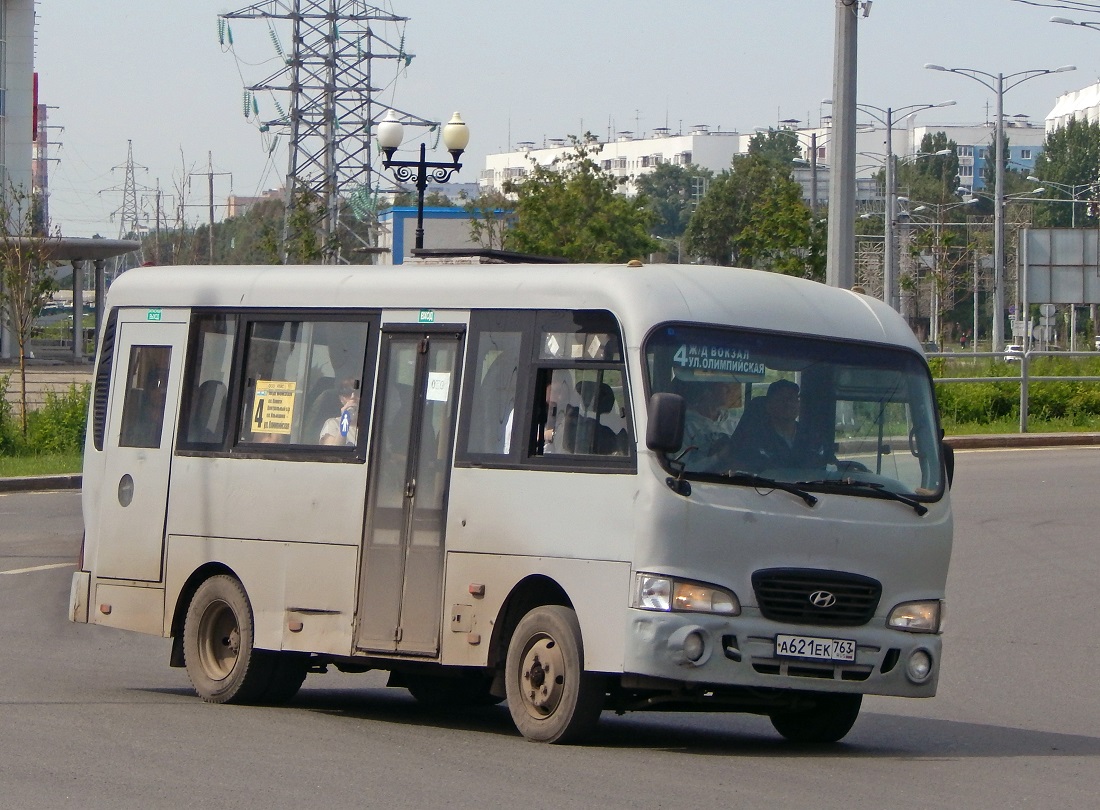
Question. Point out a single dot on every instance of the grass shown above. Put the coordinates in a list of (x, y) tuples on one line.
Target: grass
[(15, 466), (1012, 425)]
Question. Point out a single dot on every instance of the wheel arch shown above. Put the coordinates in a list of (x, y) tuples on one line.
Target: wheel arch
[(530, 592), (183, 599)]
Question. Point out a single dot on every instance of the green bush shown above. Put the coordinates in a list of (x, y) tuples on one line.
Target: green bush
[(9, 430), (58, 426), (1067, 403)]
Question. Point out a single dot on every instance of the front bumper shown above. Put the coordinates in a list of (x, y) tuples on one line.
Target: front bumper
[(740, 651)]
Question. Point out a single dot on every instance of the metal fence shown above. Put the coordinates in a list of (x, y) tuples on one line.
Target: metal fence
[(1024, 379)]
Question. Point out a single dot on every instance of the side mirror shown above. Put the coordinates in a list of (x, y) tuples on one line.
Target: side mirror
[(665, 430)]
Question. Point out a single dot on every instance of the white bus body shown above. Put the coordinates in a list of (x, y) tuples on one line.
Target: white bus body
[(513, 510)]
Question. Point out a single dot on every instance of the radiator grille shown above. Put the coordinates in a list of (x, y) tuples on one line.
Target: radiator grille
[(808, 596)]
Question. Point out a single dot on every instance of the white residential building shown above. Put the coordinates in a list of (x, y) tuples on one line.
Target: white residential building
[(628, 155), (1083, 104)]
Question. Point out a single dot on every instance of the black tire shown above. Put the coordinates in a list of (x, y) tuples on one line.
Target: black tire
[(550, 696), (467, 691), (217, 645), (288, 673), (828, 720)]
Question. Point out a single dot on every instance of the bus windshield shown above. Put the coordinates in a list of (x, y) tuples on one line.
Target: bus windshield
[(794, 409)]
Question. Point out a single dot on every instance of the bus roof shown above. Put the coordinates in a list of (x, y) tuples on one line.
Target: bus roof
[(639, 296)]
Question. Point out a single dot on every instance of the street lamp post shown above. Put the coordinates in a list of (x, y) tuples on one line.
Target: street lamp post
[(456, 136), (1000, 84), (887, 116), (1068, 188), (938, 255)]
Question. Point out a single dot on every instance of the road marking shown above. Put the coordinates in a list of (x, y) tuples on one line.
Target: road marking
[(38, 568)]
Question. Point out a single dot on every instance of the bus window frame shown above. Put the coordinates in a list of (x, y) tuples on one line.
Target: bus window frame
[(231, 446), (532, 324)]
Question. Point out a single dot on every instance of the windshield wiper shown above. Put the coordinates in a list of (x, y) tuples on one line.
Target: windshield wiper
[(872, 488), (770, 483)]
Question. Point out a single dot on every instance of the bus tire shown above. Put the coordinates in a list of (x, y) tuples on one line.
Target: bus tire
[(288, 673), (550, 696), (829, 719), (217, 644)]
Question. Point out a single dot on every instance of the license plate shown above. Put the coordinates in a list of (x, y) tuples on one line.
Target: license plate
[(820, 649)]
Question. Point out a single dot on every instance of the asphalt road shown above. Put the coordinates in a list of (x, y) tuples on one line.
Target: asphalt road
[(95, 718)]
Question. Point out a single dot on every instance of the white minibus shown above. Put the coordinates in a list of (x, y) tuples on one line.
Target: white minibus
[(573, 488)]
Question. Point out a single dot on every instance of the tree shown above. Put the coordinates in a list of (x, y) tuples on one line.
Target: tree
[(671, 193), (25, 279), (777, 145), (753, 216), (933, 178), (490, 215), (1071, 157), (573, 209)]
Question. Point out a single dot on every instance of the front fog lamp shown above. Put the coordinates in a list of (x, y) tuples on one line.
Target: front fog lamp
[(667, 594), (917, 617), (919, 666)]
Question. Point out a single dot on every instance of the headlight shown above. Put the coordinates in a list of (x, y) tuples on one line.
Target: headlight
[(664, 593), (917, 617)]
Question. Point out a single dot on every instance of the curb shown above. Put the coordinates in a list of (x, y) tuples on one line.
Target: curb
[(1023, 440), (40, 483)]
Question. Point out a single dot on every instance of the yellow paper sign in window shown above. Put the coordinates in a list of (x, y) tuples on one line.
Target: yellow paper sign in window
[(273, 406)]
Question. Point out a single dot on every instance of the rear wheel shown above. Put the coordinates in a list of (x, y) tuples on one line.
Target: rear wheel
[(217, 644), (288, 673), (550, 696), (827, 720)]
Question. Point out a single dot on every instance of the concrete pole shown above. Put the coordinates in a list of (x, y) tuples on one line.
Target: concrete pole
[(813, 173), (889, 262), (78, 311), (999, 225), (839, 268)]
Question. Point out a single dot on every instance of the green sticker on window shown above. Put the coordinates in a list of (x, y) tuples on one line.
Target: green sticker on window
[(427, 316), (152, 315)]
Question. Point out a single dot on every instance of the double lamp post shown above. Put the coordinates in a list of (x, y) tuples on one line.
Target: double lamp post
[(456, 136), (1000, 84)]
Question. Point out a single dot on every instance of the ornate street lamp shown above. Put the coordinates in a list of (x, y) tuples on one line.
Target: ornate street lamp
[(456, 136)]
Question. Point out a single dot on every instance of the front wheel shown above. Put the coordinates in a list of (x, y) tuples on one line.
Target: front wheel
[(826, 720), (550, 696), (217, 645)]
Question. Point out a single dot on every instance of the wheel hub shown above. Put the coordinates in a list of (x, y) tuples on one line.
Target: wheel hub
[(543, 680), (219, 641)]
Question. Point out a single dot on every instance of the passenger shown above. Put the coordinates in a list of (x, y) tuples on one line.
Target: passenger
[(704, 427), (342, 429), (769, 441)]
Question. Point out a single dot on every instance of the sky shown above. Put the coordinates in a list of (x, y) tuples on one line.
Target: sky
[(152, 72)]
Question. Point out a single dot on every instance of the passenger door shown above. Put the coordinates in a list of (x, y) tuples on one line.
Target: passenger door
[(141, 430), (401, 591)]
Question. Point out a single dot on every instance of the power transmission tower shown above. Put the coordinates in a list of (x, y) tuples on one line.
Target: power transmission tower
[(129, 215), (332, 109)]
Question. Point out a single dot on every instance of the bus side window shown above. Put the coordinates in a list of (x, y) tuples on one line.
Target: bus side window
[(294, 374), (213, 361), (492, 416), (583, 412), (143, 407)]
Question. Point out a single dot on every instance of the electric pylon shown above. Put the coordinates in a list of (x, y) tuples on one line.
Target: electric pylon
[(331, 112), (129, 224)]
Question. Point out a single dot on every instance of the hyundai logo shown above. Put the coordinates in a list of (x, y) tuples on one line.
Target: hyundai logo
[(822, 599)]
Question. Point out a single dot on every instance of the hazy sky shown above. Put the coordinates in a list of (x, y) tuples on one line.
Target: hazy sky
[(152, 71)]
